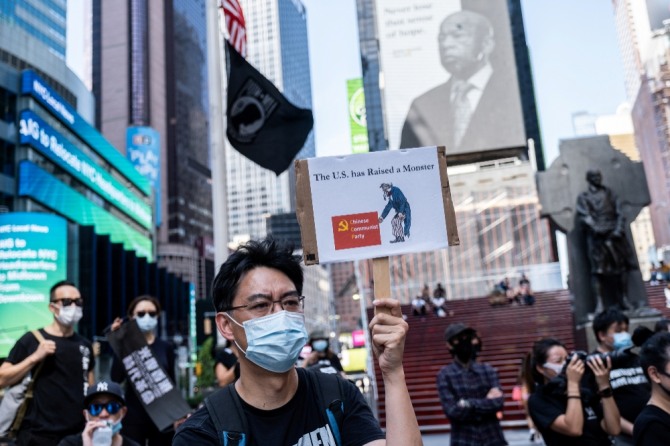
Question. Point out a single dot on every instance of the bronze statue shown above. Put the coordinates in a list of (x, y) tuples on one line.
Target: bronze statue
[(610, 253)]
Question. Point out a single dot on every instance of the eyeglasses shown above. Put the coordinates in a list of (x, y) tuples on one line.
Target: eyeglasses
[(262, 306), (112, 407), (663, 372), (69, 301), (150, 313)]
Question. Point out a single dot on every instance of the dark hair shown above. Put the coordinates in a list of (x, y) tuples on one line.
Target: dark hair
[(662, 325), (52, 290), (538, 356), (655, 352), (604, 319), (138, 299), (253, 254)]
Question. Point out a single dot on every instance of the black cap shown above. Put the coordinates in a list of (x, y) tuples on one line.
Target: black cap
[(454, 330), (104, 388)]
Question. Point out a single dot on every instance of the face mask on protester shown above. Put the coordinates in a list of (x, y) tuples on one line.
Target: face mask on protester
[(622, 340), (320, 345), (69, 315), (274, 341), (465, 351), (556, 368), (147, 322)]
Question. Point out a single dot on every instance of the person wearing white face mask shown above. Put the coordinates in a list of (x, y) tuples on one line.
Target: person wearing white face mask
[(145, 311), (629, 385), (104, 410), (65, 375), (565, 411), (322, 358), (258, 296)]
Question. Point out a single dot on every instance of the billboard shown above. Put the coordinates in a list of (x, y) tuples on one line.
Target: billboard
[(39, 185), (449, 76), (658, 11), (357, 118), (33, 257), (143, 151), (36, 133), (33, 85)]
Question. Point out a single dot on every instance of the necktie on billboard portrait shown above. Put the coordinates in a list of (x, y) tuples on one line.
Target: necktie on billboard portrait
[(158, 394), (261, 123), (461, 109)]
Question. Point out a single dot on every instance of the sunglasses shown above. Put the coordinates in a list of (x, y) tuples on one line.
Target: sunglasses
[(68, 301), (142, 313), (112, 407)]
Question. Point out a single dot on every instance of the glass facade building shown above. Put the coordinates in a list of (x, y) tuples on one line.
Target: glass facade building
[(44, 20)]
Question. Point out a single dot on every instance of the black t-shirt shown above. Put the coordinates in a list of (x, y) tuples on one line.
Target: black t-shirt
[(652, 427), (630, 386), (545, 406), (300, 421), (329, 364), (228, 359), (76, 440), (137, 415), (60, 386)]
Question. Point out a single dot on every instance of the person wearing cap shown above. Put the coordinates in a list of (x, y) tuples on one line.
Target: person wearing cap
[(322, 358), (104, 408), (469, 391)]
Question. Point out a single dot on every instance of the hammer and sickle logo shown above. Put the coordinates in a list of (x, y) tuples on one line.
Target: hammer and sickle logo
[(343, 226)]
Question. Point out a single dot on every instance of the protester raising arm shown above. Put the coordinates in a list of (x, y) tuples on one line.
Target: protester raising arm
[(388, 333)]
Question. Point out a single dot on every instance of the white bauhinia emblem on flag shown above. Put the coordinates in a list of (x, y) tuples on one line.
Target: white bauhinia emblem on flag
[(235, 25)]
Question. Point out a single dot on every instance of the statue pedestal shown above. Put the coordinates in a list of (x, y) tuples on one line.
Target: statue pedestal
[(585, 339)]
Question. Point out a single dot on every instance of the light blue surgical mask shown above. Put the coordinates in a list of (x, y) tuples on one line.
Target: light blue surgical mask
[(116, 427), (622, 340), (556, 368), (274, 341), (147, 323), (320, 345)]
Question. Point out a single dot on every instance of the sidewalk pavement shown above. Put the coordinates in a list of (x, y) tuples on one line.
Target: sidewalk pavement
[(516, 437)]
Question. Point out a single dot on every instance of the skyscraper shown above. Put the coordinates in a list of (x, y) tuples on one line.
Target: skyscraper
[(277, 47), (155, 75), (44, 20)]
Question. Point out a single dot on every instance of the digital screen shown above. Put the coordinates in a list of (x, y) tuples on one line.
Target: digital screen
[(38, 134), (33, 257), (39, 185), (448, 75)]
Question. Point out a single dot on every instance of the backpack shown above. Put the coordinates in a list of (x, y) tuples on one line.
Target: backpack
[(231, 425), (17, 398)]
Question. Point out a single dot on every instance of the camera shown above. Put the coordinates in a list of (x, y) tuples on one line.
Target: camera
[(583, 356)]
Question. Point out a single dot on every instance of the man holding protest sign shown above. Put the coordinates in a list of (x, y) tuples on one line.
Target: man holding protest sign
[(258, 296)]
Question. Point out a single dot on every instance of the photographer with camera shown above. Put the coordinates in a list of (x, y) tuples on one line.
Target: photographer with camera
[(629, 385), (564, 411)]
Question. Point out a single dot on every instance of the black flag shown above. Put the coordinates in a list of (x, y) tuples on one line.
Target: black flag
[(262, 124)]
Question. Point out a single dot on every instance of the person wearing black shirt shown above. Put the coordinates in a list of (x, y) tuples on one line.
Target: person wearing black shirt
[(322, 358), (565, 412), (139, 426), (629, 385), (652, 426), (61, 384), (226, 367)]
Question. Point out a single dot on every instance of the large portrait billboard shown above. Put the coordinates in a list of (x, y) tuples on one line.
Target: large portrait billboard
[(449, 76), (33, 256)]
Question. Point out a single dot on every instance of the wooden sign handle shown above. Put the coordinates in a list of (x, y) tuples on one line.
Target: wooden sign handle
[(382, 280)]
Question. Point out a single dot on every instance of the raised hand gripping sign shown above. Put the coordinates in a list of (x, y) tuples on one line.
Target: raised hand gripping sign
[(374, 205)]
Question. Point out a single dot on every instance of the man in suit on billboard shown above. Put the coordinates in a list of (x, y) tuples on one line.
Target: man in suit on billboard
[(477, 108)]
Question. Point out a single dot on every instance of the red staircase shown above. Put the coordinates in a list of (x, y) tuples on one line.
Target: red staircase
[(507, 334)]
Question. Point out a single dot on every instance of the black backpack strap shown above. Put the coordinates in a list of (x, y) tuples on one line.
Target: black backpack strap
[(331, 396), (231, 425)]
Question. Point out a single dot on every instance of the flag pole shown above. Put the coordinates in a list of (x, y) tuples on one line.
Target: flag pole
[(217, 81)]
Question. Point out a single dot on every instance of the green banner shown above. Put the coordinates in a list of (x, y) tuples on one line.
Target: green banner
[(33, 257), (357, 118)]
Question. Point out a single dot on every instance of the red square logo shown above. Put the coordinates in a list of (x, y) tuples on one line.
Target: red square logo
[(356, 230)]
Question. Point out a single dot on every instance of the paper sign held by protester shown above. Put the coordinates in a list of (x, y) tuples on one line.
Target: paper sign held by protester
[(374, 205), (154, 388)]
